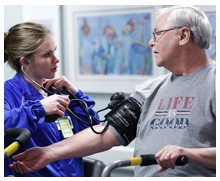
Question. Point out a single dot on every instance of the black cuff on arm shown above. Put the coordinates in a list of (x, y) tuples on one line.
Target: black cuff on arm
[(124, 119)]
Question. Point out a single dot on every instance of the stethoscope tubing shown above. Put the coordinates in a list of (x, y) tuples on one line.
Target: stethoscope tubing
[(85, 107)]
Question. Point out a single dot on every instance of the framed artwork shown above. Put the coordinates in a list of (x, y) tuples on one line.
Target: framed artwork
[(211, 52), (111, 50), (114, 44)]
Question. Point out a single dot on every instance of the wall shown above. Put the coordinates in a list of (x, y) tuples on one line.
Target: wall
[(12, 16)]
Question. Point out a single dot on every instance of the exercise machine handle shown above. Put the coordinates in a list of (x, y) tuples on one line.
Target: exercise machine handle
[(143, 160), (22, 137), (150, 160)]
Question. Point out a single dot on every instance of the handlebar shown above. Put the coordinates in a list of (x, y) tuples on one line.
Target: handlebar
[(143, 160), (150, 160), (22, 137)]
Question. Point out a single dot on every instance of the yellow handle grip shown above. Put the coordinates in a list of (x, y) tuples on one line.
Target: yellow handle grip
[(12, 148), (136, 161)]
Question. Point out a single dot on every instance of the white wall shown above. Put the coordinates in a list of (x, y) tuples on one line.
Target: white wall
[(12, 16)]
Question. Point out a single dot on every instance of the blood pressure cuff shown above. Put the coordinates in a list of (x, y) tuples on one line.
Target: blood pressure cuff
[(124, 118)]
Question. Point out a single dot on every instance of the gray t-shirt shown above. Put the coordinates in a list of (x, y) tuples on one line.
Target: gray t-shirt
[(176, 110)]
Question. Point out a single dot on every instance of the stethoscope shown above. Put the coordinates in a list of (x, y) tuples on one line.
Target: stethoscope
[(115, 99)]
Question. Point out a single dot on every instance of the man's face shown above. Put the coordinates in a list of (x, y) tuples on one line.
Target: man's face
[(165, 47)]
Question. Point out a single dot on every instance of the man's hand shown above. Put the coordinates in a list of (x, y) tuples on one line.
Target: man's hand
[(166, 157), (31, 160)]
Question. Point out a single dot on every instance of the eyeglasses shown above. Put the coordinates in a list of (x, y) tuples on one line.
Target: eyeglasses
[(158, 34)]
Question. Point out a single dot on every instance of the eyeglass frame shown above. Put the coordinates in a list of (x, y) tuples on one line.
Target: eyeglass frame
[(153, 33)]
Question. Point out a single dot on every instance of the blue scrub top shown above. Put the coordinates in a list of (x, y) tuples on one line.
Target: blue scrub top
[(23, 109)]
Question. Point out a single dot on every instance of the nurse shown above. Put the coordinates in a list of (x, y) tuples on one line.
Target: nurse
[(29, 49)]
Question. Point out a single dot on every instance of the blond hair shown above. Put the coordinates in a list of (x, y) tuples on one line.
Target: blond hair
[(23, 40)]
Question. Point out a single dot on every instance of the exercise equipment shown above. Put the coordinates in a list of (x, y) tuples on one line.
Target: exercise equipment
[(22, 137), (143, 160)]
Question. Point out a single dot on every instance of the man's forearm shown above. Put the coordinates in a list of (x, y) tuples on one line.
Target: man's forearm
[(205, 156), (82, 144)]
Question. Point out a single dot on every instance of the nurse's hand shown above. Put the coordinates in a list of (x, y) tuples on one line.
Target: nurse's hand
[(59, 83), (32, 160), (55, 104)]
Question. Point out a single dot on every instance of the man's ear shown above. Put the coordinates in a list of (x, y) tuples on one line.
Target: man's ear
[(185, 35)]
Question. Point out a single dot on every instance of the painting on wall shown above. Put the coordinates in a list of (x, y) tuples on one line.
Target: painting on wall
[(211, 52), (114, 44)]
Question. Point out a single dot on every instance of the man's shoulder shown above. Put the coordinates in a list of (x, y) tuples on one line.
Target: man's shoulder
[(149, 87), (153, 82)]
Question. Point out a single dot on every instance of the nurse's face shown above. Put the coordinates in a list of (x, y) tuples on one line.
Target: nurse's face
[(45, 62)]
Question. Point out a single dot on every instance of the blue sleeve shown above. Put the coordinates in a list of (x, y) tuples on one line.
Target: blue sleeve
[(79, 112), (25, 115)]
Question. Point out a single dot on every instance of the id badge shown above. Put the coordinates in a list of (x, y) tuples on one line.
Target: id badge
[(66, 126)]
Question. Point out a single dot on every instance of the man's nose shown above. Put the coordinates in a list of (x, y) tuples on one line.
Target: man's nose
[(151, 42)]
